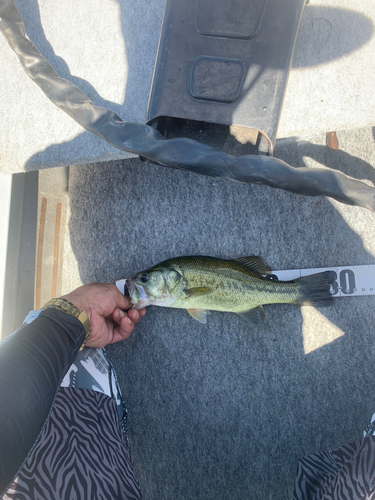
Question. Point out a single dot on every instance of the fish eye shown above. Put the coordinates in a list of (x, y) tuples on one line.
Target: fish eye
[(144, 278)]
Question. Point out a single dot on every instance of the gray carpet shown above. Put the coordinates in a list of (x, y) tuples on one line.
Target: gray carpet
[(224, 410)]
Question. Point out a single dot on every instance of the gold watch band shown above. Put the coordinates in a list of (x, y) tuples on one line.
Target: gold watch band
[(69, 308)]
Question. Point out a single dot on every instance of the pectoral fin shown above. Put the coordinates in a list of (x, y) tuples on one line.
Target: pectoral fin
[(197, 292), (198, 314), (255, 315)]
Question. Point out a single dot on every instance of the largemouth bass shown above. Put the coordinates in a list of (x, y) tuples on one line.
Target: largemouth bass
[(202, 284)]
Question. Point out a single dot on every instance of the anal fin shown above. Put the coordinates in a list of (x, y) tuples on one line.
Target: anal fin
[(255, 315)]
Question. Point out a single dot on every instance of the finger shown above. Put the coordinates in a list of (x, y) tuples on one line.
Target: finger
[(117, 315), (121, 301), (123, 331), (101, 330), (135, 315)]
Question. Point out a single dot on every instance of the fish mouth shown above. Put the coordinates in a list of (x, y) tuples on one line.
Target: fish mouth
[(136, 293), (127, 289)]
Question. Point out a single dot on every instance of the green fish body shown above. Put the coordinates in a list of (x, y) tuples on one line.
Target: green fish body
[(200, 284)]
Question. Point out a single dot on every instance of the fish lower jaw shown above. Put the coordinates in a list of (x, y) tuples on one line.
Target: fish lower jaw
[(162, 302), (144, 301), (141, 304), (139, 297)]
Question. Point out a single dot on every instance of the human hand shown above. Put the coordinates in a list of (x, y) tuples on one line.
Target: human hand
[(108, 311)]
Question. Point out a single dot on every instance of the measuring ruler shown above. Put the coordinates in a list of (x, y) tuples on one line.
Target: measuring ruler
[(348, 281)]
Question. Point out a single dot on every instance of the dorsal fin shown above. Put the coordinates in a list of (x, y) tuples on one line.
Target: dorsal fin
[(255, 315), (255, 263)]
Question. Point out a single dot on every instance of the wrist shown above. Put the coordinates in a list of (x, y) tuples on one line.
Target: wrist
[(67, 307)]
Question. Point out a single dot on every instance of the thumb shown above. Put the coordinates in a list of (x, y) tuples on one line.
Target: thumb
[(120, 300)]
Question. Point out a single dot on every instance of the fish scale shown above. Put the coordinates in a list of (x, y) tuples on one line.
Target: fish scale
[(199, 284), (231, 291)]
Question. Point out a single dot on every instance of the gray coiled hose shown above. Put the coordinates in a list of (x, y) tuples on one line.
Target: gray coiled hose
[(179, 152)]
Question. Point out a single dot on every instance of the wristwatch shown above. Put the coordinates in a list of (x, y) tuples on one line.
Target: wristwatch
[(69, 308)]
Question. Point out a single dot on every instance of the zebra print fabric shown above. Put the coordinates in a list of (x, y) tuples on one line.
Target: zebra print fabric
[(81, 453), (92, 369), (347, 473)]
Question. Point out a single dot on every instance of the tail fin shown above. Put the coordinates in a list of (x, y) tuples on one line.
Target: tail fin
[(315, 290)]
